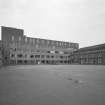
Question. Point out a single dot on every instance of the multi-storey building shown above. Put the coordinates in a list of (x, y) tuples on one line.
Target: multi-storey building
[(89, 55), (19, 49), (16, 48), (0, 53)]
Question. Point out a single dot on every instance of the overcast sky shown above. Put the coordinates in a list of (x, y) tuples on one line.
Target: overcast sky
[(79, 21)]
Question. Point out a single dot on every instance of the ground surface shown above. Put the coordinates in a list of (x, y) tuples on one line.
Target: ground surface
[(52, 85)]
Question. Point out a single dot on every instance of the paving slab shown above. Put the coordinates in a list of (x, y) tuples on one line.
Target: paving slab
[(52, 85)]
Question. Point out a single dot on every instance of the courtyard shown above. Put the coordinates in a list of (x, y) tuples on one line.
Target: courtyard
[(52, 85)]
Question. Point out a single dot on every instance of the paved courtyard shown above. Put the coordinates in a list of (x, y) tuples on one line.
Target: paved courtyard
[(52, 85)]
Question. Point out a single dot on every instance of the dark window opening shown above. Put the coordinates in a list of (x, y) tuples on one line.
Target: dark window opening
[(56, 52), (52, 56), (19, 55), (31, 56), (12, 55), (25, 62), (48, 51)]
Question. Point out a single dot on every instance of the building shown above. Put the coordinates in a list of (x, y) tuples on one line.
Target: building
[(0, 54), (89, 55), (20, 49), (16, 48)]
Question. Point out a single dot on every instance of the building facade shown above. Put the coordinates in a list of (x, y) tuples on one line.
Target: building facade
[(89, 55), (20, 49), (0, 54)]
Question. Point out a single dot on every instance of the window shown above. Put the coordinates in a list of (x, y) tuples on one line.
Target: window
[(25, 55), (48, 56), (48, 51), (31, 40), (37, 51), (56, 52), (25, 39), (37, 40), (53, 47), (60, 43), (31, 56), (19, 38), (19, 61), (42, 56), (53, 52), (61, 57), (56, 43), (52, 42), (42, 41), (48, 41), (37, 45), (20, 55), (14, 49), (65, 52), (37, 56), (12, 38), (52, 56), (61, 52), (12, 55)]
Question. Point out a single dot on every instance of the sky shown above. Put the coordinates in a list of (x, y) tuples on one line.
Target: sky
[(78, 21)]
